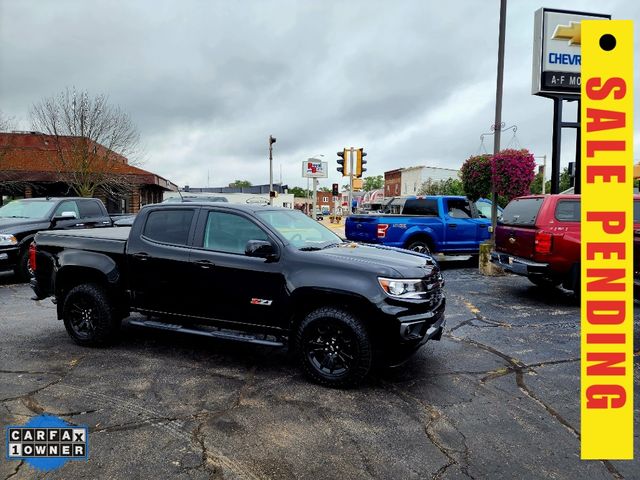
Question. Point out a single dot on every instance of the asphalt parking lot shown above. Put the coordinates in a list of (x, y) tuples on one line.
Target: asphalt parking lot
[(496, 398)]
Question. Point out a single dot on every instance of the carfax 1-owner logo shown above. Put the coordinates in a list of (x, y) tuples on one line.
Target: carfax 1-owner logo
[(47, 442)]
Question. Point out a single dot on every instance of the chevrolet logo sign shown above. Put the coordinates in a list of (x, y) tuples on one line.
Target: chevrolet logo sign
[(569, 32)]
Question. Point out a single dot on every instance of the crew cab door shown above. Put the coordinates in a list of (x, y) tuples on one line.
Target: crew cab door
[(228, 285), (461, 229), (158, 257)]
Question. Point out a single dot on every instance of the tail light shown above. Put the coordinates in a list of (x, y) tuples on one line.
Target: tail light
[(544, 242), (32, 256), (382, 230)]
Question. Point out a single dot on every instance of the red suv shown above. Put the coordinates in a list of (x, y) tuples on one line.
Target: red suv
[(538, 236)]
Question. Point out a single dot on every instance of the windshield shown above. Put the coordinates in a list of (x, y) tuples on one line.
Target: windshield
[(26, 209), (303, 232)]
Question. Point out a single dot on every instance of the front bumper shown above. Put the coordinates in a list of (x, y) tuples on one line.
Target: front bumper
[(518, 265), (411, 330), (8, 257)]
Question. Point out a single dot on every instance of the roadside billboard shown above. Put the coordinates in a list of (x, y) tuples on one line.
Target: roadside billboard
[(556, 51), (314, 169)]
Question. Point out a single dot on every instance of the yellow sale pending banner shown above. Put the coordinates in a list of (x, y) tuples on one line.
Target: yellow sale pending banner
[(607, 240)]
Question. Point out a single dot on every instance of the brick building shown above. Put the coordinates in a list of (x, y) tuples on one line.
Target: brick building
[(30, 166), (407, 181), (392, 182)]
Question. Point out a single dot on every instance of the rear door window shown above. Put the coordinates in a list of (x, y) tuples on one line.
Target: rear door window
[(522, 211), (169, 226), (421, 206), (568, 211), (89, 208)]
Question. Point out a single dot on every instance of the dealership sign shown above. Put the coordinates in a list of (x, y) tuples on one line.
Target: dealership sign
[(557, 56), (313, 168)]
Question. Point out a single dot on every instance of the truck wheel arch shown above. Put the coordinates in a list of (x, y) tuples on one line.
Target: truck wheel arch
[(304, 300), (420, 237)]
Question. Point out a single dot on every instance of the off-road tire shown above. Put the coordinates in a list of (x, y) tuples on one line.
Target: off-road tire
[(90, 303), (351, 340)]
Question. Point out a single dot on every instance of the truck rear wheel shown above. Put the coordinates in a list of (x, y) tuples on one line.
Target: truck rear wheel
[(334, 347), (419, 246), (89, 317)]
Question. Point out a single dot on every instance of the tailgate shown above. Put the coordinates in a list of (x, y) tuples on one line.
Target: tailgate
[(516, 231), (516, 241), (363, 228)]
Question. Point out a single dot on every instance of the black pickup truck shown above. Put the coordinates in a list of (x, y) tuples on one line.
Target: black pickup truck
[(252, 273), (20, 220)]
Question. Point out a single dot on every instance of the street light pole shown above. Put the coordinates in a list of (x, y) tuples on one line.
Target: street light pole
[(272, 140), (498, 117)]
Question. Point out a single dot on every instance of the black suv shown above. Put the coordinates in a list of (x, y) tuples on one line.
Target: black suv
[(20, 220)]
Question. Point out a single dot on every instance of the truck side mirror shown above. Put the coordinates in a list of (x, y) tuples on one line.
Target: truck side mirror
[(65, 216), (259, 249)]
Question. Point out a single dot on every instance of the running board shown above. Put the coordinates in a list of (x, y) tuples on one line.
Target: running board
[(215, 333)]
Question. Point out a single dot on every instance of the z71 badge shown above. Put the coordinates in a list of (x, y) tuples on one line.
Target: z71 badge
[(261, 301)]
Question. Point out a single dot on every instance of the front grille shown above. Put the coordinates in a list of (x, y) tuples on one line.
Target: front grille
[(433, 285)]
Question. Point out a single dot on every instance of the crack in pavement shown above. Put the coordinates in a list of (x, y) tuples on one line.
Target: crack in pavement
[(436, 416), (73, 365), (212, 470), (15, 472), (519, 368)]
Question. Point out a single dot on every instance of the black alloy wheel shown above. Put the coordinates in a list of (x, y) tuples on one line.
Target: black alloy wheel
[(330, 349), (334, 347), (89, 316), (82, 315)]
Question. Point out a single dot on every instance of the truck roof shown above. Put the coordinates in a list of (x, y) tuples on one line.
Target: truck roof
[(55, 199), (249, 207)]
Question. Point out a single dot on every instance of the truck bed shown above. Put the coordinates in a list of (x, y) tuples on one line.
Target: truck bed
[(108, 240)]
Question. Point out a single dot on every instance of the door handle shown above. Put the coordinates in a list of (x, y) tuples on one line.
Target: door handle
[(141, 256), (452, 225), (204, 263), (483, 226)]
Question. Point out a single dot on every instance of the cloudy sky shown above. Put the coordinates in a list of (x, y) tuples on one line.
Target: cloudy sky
[(207, 82)]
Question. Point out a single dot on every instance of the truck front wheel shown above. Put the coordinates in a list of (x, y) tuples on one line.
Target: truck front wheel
[(89, 317), (334, 347)]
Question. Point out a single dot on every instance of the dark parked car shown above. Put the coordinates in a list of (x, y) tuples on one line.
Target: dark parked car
[(251, 273), (21, 219)]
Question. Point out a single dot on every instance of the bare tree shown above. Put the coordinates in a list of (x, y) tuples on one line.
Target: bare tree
[(93, 139)]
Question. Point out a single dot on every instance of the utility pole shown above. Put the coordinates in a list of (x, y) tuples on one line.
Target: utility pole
[(272, 140), (498, 117), (315, 197)]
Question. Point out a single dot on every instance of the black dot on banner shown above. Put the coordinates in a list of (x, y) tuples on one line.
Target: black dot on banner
[(607, 42)]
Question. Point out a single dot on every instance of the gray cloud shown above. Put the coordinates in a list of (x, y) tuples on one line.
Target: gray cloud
[(208, 81)]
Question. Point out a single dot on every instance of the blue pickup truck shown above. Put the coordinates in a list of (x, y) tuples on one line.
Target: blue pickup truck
[(437, 224)]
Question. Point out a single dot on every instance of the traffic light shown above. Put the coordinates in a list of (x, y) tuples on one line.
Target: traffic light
[(360, 162), (343, 162), (334, 190)]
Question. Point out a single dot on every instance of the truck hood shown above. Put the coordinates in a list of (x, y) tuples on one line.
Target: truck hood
[(17, 225), (384, 261)]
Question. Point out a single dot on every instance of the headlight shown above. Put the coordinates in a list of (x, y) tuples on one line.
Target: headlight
[(7, 239), (403, 287)]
